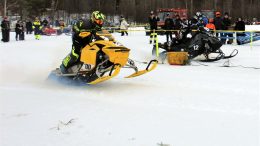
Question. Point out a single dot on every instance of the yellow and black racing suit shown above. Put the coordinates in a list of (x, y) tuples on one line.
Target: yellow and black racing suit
[(79, 41), (37, 29)]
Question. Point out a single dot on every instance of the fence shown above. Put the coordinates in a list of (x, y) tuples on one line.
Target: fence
[(246, 37)]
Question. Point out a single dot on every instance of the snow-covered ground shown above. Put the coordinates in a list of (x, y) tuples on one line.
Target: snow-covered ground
[(194, 105)]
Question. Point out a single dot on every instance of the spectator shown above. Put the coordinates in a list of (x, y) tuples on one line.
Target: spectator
[(254, 22), (61, 24), (240, 26), (57, 24), (5, 25), (28, 27), (177, 23), (123, 27), (19, 30), (153, 19), (45, 22), (168, 26), (22, 32), (37, 26), (73, 21), (226, 26), (121, 19), (218, 22), (247, 22)]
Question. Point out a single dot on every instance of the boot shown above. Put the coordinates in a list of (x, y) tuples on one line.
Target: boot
[(68, 61), (63, 69)]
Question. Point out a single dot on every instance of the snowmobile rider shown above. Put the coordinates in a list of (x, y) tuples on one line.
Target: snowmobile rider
[(187, 27), (84, 31), (199, 20)]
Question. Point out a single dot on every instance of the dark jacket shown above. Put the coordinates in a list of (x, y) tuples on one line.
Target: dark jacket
[(89, 28), (177, 24), (218, 22), (153, 22), (45, 23), (5, 25), (240, 25), (28, 25), (168, 24), (18, 28), (226, 23)]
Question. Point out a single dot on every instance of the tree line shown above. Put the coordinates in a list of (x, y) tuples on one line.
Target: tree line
[(136, 10)]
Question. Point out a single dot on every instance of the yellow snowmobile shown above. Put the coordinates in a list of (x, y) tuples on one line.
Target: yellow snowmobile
[(102, 60)]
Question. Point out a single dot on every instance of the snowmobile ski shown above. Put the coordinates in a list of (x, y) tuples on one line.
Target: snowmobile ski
[(232, 54), (113, 72), (220, 56), (151, 66)]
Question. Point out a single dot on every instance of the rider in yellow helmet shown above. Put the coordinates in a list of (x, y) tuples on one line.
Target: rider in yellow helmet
[(89, 28)]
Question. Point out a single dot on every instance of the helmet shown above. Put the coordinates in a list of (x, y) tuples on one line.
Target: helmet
[(198, 14), (98, 18)]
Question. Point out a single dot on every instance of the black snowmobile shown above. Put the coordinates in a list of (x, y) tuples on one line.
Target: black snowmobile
[(200, 42)]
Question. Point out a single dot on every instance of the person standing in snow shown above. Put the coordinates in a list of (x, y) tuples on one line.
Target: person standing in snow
[(226, 26), (123, 27), (240, 26), (45, 22), (28, 26), (153, 19), (19, 30), (5, 25), (168, 26), (37, 27), (218, 22)]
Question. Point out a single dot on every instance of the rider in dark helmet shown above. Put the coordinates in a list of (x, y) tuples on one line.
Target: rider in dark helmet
[(84, 30)]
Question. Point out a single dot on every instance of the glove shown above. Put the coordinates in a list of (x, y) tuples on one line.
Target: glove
[(94, 31)]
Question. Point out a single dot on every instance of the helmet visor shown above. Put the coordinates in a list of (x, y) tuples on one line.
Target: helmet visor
[(98, 21)]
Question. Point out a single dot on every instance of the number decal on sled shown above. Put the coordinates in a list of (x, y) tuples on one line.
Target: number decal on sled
[(196, 47)]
